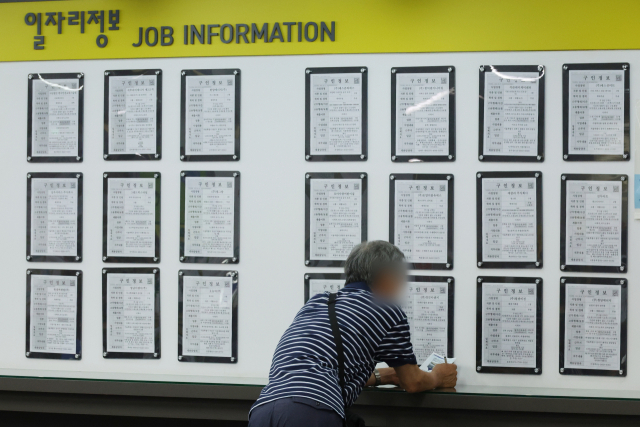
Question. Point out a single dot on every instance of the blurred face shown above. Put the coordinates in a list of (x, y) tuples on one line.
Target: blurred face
[(390, 285)]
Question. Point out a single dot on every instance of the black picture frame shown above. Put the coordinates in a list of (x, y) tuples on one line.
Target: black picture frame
[(147, 156), (566, 69), (451, 70), (540, 69), (623, 283), (105, 217), (234, 315), (451, 282), (236, 217), (79, 217), (307, 238), (308, 277), (450, 212), (361, 71), (622, 179), (155, 271), (56, 159), (537, 281), (77, 274), (235, 72), (539, 223)]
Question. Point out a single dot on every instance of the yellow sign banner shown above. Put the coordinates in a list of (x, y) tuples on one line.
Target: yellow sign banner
[(63, 30)]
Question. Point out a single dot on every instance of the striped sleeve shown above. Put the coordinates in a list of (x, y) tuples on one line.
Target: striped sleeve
[(395, 348)]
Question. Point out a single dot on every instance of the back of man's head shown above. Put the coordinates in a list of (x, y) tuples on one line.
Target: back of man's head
[(370, 259)]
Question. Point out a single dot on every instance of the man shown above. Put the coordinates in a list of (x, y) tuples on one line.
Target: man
[(304, 388)]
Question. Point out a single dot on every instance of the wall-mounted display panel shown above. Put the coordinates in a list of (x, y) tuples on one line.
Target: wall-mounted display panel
[(210, 217), (54, 217), (511, 113), (421, 219), (593, 326), (423, 114), (210, 115), (133, 114), (509, 219), (336, 114), (131, 313), (509, 325), (335, 216), (55, 117), (131, 217), (54, 314), (593, 223), (595, 107), (208, 316)]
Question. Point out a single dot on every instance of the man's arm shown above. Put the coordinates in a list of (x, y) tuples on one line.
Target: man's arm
[(387, 376), (413, 379)]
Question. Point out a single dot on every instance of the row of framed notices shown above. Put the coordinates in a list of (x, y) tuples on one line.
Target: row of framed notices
[(209, 217), (593, 321), (596, 99), (593, 220), (131, 318)]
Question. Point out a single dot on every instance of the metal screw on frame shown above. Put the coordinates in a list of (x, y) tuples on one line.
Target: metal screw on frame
[(539, 157), (480, 157), (307, 262), (391, 177), (537, 175), (27, 354), (564, 67), (181, 258), (180, 273), (362, 70), (561, 370), (450, 156), (393, 158), (155, 354), (235, 72), (622, 282), (157, 72), (181, 173), (363, 176), (234, 157), (234, 259), (105, 175), (104, 354), (306, 276), (78, 273), (625, 155), (562, 267), (233, 359), (155, 270), (479, 368), (28, 271), (480, 264), (449, 69), (106, 156), (182, 157), (621, 372), (28, 258), (625, 66), (155, 175), (563, 280), (482, 68), (78, 175), (80, 75), (30, 76), (622, 268), (104, 258), (537, 263), (78, 158), (449, 177), (479, 175), (448, 265), (77, 356), (28, 159), (540, 67), (564, 178), (28, 175), (449, 280), (536, 370), (308, 156), (104, 271), (623, 178), (362, 156), (565, 156), (183, 73), (179, 357), (156, 155), (77, 258), (393, 70), (106, 73), (308, 71), (236, 174), (479, 279), (307, 176)]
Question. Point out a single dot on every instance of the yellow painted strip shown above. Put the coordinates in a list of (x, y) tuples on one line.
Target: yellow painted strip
[(362, 26)]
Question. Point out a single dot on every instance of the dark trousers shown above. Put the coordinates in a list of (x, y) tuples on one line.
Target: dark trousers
[(294, 412)]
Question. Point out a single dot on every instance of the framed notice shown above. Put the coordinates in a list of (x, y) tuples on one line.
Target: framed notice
[(509, 219), (509, 325), (593, 223), (208, 316), (131, 217), (593, 326), (54, 314), (131, 313), (317, 283), (335, 217), (54, 217), (210, 115), (55, 117), (133, 115), (421, 219), (511, 113), (210, 217), (429, 308), (336, 114), (595, 107), (423, 114)]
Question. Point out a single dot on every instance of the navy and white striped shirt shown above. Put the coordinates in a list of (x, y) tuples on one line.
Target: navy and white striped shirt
[(305, 363)]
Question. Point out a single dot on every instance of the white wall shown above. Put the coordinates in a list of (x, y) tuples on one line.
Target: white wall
[(272, 209)]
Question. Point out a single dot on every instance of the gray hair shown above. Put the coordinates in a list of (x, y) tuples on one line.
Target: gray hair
[(368, 259)]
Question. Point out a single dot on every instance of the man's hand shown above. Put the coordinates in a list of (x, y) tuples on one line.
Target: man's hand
[(447, 374)]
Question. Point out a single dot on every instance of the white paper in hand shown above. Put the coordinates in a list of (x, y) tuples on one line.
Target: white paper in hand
[(433, 360)]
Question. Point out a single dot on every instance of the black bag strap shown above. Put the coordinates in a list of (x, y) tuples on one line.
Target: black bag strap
[(333, 319)]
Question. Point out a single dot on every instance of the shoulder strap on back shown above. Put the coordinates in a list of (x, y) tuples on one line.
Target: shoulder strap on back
[(333, 319)]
